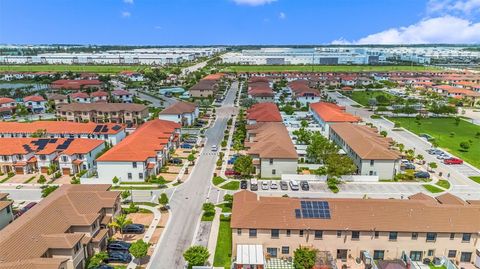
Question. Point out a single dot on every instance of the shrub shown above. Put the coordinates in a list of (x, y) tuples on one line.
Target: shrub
[(132, 208), (41, 179)]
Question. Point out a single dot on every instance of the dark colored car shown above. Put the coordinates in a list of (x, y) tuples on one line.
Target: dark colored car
[(231, 172), (243, 185), (119, 256), (409, 166), (422, 174), (104, 266), (134, 229), (304, 185), (283, 186), (186, 146), (118, 246), (25, 209), (176, 161)]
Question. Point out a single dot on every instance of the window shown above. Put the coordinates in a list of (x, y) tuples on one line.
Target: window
[(431, 253), (289, 232), (129, 175), (274, 171), (140, 175), (414, 236), (239, 231), (43, 157), (466, 237), (392, 236), (272, 252), (318, 234), (64, 159), (252, 232), (355, 235), (465, 256), (452, 253), (452, 236), (372, 162), (431, 237), (19, 156), (301, 233), (377, 234), (271, 161), (8, 209), (275, 233), (286, 250), (134, 164), (339, 233), (378, 254)]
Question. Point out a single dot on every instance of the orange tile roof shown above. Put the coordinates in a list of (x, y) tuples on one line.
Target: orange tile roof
[(271, 140), (144, 143), (179, 107), (59, 127), (34, 98), (215, 76), (264, 112), (11, 146), (6, 100), (330, 112)]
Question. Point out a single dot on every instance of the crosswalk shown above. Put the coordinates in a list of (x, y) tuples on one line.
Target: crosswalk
[(209, 153)]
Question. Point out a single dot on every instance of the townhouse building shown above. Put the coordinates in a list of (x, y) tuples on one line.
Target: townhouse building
[(260, 89), (99, 96), (350, 228), (6, 210), (181, 112), (58, 99), (80, 97), (76, 84), (7, 106), (130, 114), (62, 231), (122, 96), (328, 114), (371, 152), (30, 155), (141, 154), (109, 132), (302, 92), (207, 86), (263, 112), (35, 103)]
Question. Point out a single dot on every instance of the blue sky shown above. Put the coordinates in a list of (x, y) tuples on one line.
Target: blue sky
[(207, 22)]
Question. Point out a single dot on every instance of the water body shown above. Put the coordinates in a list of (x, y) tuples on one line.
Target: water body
[(14, 86)]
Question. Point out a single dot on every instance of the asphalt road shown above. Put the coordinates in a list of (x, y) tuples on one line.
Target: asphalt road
[(187, 199), (161, 101)]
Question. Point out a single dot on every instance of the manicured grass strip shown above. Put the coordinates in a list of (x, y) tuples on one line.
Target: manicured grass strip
[(448, 134), (476, 179), (6, 178), (232, 185), (72, 68), (226, 207), (324, 68), (223, 250), (147, 204), (207, 217), (135, 188), (30, 179), (217, 180), (443, 183), (432, 188)]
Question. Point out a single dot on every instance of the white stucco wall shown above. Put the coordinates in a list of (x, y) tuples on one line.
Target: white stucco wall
[(108, 170), (281, 166)]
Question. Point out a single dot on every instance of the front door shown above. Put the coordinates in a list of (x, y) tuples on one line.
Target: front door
[(342, 254), (466, 257), (416, 255)]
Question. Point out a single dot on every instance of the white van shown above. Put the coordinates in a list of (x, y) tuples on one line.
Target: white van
[(294, 185), (253, 184)]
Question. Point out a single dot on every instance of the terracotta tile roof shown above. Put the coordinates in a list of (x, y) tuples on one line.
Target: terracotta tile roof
[(215, 76), (365, 141), (103, 107), (120, 92), (79, 95), (449, 199), (11, 146), (271, 140), (252, 211), (60, 127), (264, 112), (3, 195), (99, 94), (144, 143), (6, 100), (330, 112), (179, 107), (75, 83), (35, 263), (34, 98), (205, 84), (57, 97), (41, 227)]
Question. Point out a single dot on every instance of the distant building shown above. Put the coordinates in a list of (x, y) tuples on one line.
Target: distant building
[(122, 96), (6, 210), (99, 97), (130, 114), (76, 84), (327, 114), (263, 112), (181, 112), (80, 97), (207, 86), (7, 106), (35, 103)]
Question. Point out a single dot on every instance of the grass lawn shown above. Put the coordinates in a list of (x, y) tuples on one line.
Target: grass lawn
[(232, 185), (324, 68), (476, 179), (207, 217), (73, 68), (441, 129), (226, 208), (432, 188), (362, 97), (217, 180), (443, 183), (223, 250)]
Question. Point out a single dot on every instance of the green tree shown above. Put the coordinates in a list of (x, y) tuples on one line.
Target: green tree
[(244, 165), (465, 145), (432, 165), (139, 250), (304, 124), (337, 165), (125, 194), (303, 136), (384, 133), (41, 179), (115, 180), (304, 258), (320, 148), (97, 259), (401, 147), (120, 222), (163, 199), (196, 256)]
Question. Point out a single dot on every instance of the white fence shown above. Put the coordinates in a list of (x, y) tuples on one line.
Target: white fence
[(349, 178)]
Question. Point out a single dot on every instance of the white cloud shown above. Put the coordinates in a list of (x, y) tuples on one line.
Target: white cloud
[(282, 16), (253, 2), (453, 6), (128, 1), (126, 14)]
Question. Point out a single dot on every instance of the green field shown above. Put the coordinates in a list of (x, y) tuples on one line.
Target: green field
[(72, 68), (362, 97), (442, 129), (324, 68), (432, 188), (223, 250)]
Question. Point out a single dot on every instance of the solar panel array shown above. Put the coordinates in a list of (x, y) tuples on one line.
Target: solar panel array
[(104, 129), (27, 148), (98, 128), (117, 127), (65, 144), (313, 210)]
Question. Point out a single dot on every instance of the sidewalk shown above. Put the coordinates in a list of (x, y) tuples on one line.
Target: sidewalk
[(212, 240)]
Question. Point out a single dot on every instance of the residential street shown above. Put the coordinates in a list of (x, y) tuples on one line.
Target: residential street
[(186, 201)]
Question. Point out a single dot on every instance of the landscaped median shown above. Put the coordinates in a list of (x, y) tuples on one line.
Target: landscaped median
[(432, 188), (476, 179), (223, 250)]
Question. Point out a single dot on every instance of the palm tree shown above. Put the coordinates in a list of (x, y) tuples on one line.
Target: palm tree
[(420, 158), (120, 222)]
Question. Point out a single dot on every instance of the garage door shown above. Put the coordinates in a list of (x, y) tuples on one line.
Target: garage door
[(66, 171), (19, 170)]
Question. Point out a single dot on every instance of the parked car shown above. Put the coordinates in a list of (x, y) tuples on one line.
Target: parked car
[(134, 228), (294, 185), (304, 185), (409, 166), (264, 185), (186, 146), (453, 161), (117, 245), (231, 172), (119, 256), (243, 185), (443, 156), (422, 174), (433, 151), (233, 159), (176, 161), (283, 186), (273, 185), (253, 184), (214, 148), (104, 266), (25, 209), (190, 140)]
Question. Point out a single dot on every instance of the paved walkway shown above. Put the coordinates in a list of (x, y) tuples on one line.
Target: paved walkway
[(212, 240), (157, 216)]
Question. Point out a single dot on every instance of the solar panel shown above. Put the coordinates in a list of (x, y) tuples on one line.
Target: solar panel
[(313, 210), (117, 127), (298, 215), (27, 148), (104, 129), (98, 128), (53, 140), (41, 143)]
